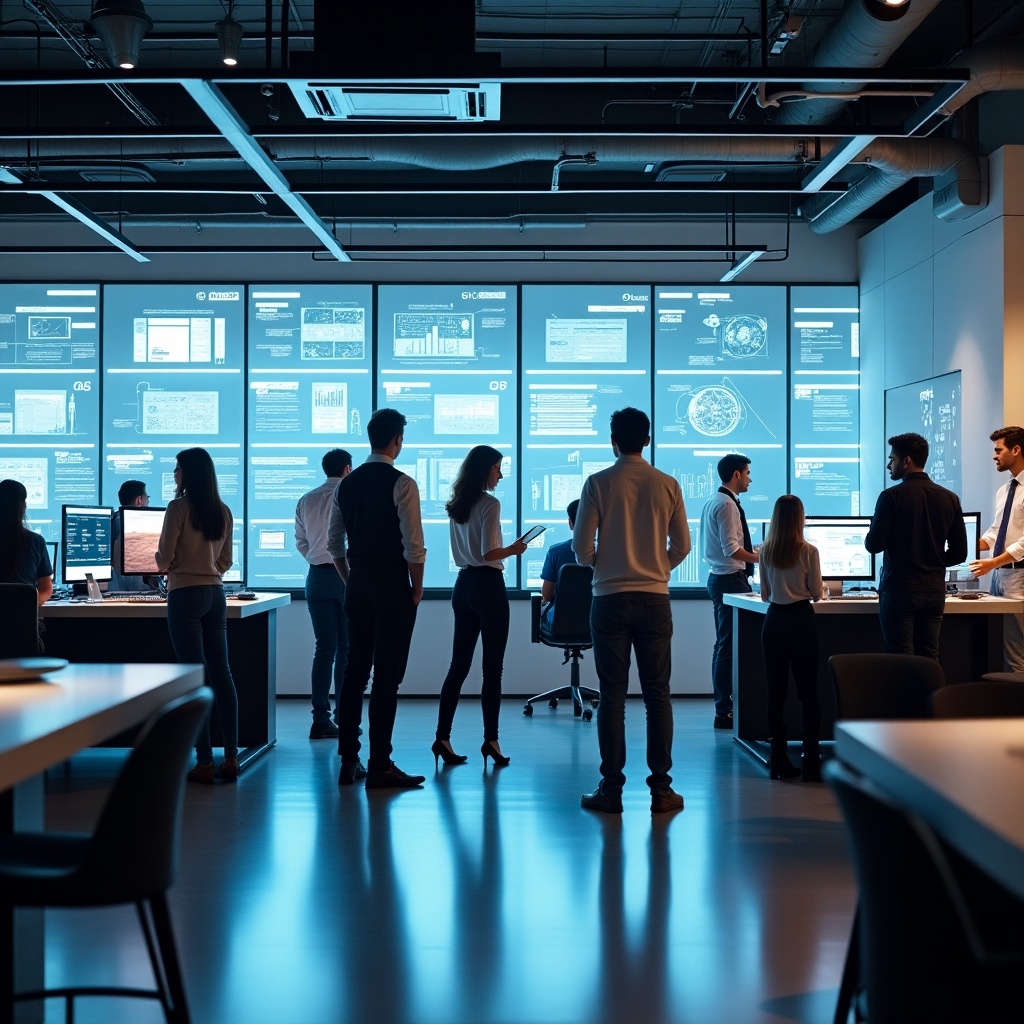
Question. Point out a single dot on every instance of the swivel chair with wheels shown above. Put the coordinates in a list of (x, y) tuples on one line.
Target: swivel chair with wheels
[(889, 686), (19, 620), (131, 857), (568, 628)]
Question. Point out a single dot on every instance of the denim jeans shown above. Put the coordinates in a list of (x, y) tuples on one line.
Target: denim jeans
[(641, 622), (480, 603), (381, 616), (911, 622), (197, 623), (325, 602), (1010, 583), (721, 655)]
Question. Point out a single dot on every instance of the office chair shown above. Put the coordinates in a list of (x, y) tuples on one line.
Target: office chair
[(937, 940), (569, 629), (985, 699), (19, 621), (131, 857), (884, 685)]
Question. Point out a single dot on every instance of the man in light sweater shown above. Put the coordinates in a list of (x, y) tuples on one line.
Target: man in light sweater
[(638, 518)]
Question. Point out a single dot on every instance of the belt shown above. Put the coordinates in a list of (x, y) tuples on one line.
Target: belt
[(322, 565), (1013, 565)]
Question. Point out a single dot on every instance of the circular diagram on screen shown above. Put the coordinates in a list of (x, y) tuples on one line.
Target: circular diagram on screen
[(714, 411), (744, 336)]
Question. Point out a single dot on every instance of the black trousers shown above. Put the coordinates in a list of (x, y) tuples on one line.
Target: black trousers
[(381, 616), (789, 641), (480, 603)]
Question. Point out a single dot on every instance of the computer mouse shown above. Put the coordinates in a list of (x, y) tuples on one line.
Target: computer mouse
[(246, 595)]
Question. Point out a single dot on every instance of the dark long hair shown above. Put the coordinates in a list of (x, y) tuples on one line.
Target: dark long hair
[(469, 484), (785, 533), (198, 483), (13, 539)]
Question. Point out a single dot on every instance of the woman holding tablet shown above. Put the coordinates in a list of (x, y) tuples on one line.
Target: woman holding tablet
[(195, 552), (479, 599)]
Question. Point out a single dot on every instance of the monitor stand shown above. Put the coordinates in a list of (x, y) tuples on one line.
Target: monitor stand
[(92, 588)]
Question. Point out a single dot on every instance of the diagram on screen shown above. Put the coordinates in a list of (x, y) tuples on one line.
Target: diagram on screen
[(56, 328), (740, 337), (434, 335), (178, 412), (715, 410), (328, 332)]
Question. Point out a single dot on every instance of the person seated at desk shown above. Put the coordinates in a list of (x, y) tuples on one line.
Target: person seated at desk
[(23, 554), (557, 556), (131, 494)]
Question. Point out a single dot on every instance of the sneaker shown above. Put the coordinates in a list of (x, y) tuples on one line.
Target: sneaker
[(204, 773), (392, 777), (323, 731), (602, 800), (351, 772), (723, 721), (664, 800)]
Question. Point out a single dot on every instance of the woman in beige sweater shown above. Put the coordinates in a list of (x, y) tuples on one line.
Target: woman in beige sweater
[(195, 551)]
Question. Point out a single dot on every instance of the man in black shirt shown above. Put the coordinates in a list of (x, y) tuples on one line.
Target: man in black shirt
[(920, 528)]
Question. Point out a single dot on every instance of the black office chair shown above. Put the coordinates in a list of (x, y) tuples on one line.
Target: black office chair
[(569, 628), (19, 621), (884, 685), (937, 940), (131, 857), (984, 699)]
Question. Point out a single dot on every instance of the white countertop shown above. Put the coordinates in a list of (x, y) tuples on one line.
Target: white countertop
[(986, 605), (129, 609)]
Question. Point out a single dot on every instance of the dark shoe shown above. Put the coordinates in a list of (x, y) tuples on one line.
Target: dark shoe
[(779, 764), (351, 772), (442, 749), (490, 749), (723, 721), (229, 769), (602, 800), (811, 764), (323, 731), (204, 773), (392, 777), (664, 800)]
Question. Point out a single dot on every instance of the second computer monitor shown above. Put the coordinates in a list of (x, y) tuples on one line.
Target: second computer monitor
[(140, 535), (962, 573), (840, 544), (85, 544)]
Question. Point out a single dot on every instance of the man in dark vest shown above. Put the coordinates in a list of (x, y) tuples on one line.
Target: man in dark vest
[(376, 542)]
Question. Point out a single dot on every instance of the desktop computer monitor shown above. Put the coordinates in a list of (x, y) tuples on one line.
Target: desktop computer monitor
[(961, 574), (140, 535), (840, 544), (85, 543), (52, 546)]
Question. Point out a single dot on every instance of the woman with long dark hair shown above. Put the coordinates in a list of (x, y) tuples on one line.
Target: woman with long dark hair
[(479, 599), (195, 552), (23, 554), (790, 581)]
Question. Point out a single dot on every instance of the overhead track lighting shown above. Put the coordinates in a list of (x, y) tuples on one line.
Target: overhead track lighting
[(229, 36), (121, 25), (740, 265)]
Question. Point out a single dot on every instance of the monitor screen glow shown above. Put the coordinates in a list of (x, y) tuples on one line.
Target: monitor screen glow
[(86, 543), (140, 535), (840, 544), (962, 573)]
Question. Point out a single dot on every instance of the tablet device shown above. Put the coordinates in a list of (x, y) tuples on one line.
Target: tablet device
[(532, 534)]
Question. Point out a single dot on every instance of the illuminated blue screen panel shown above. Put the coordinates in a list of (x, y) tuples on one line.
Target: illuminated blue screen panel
[(49, 397), (720, 387), (825, 399), (172, 379), (310, 390), (447, 360), (586, 352)]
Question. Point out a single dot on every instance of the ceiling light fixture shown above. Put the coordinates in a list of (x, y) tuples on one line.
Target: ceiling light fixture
[(121, 25), (229, 36), (887, 10), (740, 265)]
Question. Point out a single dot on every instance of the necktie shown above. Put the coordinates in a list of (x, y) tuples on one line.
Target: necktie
[(747, 544), (1000, 544)]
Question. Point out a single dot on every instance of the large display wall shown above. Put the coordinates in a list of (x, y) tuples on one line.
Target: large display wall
[(104, 384)]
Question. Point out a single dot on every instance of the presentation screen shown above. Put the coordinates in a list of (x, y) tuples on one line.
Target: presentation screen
[(49, 397), (824, 399), (447, 360), (586, 352), (173, 358), (840, 544), (85, 543), (140, 533), (931, 408), (720, 358), (310, 390)]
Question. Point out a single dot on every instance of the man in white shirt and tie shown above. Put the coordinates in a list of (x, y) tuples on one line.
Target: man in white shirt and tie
[(1005, 539)]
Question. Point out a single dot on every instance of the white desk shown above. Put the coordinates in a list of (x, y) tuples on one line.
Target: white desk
[(43, 724), (965, 778)]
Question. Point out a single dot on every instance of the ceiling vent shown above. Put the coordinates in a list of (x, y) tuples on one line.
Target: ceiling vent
[(333, 102), (694, 175)]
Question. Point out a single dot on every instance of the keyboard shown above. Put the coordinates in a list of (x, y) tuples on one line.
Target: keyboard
[(860, 595), (133, 597)]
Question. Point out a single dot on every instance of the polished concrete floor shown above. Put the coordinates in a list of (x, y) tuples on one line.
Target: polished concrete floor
[(487, 897)]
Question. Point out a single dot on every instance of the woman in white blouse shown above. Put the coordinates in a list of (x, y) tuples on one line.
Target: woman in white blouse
[(479, 599), (790, 581)]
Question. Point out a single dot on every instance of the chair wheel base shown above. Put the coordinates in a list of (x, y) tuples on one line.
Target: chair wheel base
[(528, 710)]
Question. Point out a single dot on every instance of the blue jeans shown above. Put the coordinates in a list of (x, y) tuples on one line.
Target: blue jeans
[(911, 621), (643, 622), (1009, 583), (325, 602), (197, 623), (721, 656)]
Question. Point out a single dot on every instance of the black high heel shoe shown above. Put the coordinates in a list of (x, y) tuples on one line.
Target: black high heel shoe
[(490, 750), (440, 749)]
